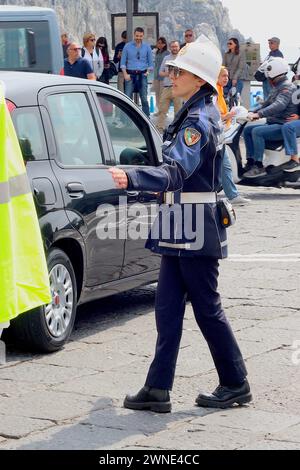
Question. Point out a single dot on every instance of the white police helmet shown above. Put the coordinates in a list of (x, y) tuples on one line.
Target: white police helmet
[(276, 67), (202, 58)]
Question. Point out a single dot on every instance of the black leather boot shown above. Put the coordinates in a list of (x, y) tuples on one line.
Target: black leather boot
[(224, 397), (147, 398)]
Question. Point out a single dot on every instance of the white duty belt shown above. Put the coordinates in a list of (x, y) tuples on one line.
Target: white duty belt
[(190, 198)]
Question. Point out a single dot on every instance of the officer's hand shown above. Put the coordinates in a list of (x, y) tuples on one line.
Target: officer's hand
[(119, 177)]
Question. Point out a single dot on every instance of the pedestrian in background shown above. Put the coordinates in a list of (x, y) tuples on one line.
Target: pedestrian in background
[(167, 97), (189, 37), (189, 176), (102, 45), (92, 54), (76, 66), (161, 53), (274, 44), (65, 44), (234, 60), (117, 60), (229, 187), (136, 64)]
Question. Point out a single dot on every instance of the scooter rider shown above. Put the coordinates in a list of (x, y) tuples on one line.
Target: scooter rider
[(189, 178), (276, 109)]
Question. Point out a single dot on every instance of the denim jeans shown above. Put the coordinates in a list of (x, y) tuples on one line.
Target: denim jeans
[(255, 138), (139, 82), (239, 87), (290, 132), (229, 187)]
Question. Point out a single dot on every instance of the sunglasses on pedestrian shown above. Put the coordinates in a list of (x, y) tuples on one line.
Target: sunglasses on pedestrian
[(189, 35), (175, 71), (92, 39), (75, 49), (230, 44)]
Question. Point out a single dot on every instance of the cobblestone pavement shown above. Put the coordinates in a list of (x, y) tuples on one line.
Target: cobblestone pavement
[(73, 399)]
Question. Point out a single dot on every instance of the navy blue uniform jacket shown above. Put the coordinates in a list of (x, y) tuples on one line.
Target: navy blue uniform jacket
[(187, 229)]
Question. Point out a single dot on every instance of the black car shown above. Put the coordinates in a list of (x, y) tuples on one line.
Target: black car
[(70, 132)]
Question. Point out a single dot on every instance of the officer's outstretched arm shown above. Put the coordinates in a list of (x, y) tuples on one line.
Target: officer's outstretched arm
[(180, 162)]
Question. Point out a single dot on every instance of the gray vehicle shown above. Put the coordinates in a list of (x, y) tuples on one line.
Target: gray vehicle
[(29, 40)]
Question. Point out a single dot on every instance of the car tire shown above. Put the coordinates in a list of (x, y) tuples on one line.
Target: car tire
[(47, 328)]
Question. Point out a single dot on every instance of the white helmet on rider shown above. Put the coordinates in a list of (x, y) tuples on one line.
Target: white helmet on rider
[(202, 58), (276, 67)]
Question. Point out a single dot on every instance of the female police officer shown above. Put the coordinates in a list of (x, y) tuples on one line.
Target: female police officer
[(189, 236)]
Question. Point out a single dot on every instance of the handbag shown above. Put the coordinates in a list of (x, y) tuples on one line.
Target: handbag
[(112, 70)]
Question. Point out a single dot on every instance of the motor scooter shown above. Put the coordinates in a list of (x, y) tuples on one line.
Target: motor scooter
[(274, 156)]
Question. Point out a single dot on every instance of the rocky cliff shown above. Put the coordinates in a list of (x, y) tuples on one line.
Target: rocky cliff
[(203, 16)]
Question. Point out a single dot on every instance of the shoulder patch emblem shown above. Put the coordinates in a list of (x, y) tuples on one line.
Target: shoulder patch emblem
[(191, 136)]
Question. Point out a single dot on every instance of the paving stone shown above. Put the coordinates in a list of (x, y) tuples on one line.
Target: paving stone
[(100, 357), (76, 436), (187, 436), (247, 419), (13, 388), (15, 427), (52, 405), (271, 445), (42, 373), (109, 384), (292, 434)]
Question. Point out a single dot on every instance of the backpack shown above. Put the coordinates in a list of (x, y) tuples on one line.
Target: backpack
[(112, 71)]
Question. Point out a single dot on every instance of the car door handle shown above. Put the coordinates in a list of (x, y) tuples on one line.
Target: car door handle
[(76, 190), (132, 193)]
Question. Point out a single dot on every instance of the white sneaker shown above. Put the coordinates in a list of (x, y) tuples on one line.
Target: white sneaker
[(239, 201)]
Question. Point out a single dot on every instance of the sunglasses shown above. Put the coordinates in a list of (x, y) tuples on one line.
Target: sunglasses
[(75, 49), (92, 40), (175, 71), (230, 44), (188, 35)]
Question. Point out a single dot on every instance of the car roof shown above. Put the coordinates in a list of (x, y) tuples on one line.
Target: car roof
[(23, 87), (23, 10)]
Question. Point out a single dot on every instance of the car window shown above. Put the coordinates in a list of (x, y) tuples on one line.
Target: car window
[(30, 133), (25, 45), (74, 130), (130, 139), (13, 48)]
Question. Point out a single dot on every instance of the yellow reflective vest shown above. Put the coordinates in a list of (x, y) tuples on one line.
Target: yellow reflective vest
[(24, 281)]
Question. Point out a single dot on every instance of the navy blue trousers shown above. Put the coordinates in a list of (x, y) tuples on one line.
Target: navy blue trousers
[(197, 277)]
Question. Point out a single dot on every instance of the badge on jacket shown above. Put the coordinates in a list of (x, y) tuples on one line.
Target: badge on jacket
[(191, 136)]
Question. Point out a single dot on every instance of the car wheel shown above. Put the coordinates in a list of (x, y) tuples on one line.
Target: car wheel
[(47, 328)]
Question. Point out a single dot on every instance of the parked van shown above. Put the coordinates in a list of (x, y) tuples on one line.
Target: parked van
[(30, 40)]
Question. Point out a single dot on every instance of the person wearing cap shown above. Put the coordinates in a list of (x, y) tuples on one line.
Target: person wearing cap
[(274, 44), (189, 235)]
